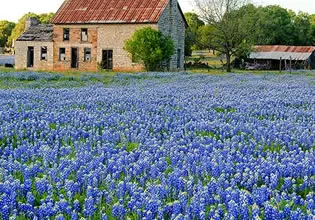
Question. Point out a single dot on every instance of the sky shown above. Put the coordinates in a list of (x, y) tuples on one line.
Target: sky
[(21, 7)]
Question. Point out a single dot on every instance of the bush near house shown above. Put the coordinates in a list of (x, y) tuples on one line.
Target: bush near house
[(150, 48)]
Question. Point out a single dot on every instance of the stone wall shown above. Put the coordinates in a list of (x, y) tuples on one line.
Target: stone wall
[(21, 55), (172, 23), (100, 37), (75, 42), (113, 37)]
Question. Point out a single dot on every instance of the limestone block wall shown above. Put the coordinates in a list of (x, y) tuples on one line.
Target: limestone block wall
[(75, 42), (21, 55), (113, 37), (172, 23)]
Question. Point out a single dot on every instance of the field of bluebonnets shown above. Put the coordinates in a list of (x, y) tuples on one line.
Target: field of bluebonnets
[(157, 146)]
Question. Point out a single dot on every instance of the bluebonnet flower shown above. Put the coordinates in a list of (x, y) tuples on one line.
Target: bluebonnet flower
[(89, 207), (118, 210), (104, 216), (60, 217), (76, 205), (74, 216), (239, 144), (30, 198), (255, 211), (5, 211)]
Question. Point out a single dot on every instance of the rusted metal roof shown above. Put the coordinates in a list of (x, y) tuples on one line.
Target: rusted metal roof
[(277, 52), (109, 11), (282, 48)]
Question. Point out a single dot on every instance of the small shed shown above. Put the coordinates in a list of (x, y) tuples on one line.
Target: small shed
[(280, 56), (34, 48)]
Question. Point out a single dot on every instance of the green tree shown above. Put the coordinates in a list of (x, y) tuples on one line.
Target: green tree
[(45, 18), (206, 37), (312, 21), (6, 28), (274, 26), (302, 28), (228, 35), (191, 35), (150, 48)]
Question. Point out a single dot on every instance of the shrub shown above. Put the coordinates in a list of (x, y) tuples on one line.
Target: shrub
[(150, 48)]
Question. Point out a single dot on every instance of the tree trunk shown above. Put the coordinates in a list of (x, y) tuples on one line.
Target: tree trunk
[(228, 62)]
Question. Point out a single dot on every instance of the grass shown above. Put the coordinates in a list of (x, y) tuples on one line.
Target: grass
[(224, 110), (130, 146), (209, 134)]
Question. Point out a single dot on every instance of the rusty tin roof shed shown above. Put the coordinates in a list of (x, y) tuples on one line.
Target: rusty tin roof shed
[(277, 52), (110, 11)]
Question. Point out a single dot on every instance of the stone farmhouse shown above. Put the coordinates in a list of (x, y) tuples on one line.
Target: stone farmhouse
[(90, 34)]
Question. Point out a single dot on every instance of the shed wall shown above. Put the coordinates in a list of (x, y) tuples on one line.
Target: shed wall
[(21, 55)]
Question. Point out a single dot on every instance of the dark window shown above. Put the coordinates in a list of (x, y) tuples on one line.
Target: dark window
[(43, 53), (84, 34), (62, 54), (66, 34), (87, 54)]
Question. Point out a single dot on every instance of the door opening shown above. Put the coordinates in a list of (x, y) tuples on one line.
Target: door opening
[(30, 57), (74, 58), (107, 59), (179, 51)]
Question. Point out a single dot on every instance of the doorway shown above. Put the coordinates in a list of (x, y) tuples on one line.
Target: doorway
[(107, 59), (179, 53), (74, 58), (30, 57)]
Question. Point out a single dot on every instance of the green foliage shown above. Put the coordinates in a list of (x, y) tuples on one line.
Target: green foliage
[(224, 110), (53, 126), (205, 34), (302, 29), (6, 28), (275, 25), (45, 18), (312, 22), (132, 146), (150, 48), (191, 35)]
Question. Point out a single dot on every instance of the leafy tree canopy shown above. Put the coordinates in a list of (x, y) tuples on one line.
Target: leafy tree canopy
[(191, 35), (6, 28)]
